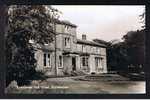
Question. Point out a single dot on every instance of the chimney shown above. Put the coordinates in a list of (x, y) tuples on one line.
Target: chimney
[(83, 37)]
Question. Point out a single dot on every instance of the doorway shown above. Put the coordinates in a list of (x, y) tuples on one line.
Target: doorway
[(73, 63)]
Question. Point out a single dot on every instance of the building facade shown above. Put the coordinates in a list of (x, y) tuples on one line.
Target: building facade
[(68, 54)]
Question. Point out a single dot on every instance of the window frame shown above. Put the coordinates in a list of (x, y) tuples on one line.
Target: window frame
[(85, 61), (60, 62), (47, 60), (99, 62)]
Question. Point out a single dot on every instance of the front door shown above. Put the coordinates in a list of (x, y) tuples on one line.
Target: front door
[(73, 63)]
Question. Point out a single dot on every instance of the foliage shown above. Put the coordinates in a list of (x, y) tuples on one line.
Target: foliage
[(117, 57), (32, 22), (135, 40), (130, 52), (36, 19), (142, 18)]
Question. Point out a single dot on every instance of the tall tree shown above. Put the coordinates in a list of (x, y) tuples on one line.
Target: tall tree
[(27, 22), (130, 52), (117, 57), (135, 40)]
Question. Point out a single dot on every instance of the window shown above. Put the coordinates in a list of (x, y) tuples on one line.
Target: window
[(66, 29), (98, 62), (85, 64), (47, 60), (44, 59), (74, 39), (67, 42), (60, 62), (97, 49), (84, 61), (83, 48)]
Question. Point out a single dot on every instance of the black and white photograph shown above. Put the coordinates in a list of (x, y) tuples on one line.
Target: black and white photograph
[(75, 49)]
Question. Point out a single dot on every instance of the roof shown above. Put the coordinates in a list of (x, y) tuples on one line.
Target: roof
[(65, 22), (100, 41), (92, 43)]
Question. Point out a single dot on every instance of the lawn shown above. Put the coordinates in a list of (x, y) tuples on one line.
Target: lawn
[(70, 85)]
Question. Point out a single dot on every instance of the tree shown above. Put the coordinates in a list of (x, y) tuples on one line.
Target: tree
[(118, 59), (131, 51), (142, 19), (32, 22), (135, 40)]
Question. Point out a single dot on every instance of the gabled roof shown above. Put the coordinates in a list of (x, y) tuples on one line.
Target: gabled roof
[(92, 43)]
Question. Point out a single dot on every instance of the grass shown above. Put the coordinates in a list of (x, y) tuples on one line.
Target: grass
[(68, 85)]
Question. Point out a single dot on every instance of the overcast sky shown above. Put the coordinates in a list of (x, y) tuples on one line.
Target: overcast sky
[(103, 22)]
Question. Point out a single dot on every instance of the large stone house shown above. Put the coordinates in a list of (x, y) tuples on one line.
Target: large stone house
[(71, 54)]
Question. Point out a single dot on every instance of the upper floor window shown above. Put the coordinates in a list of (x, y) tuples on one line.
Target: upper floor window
[(103, 51), (83, 48), (66, 29), (74, 39), (67, 42), (98, 50)]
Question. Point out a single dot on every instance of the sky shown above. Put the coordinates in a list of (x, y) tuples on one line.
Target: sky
[(103, 22)]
